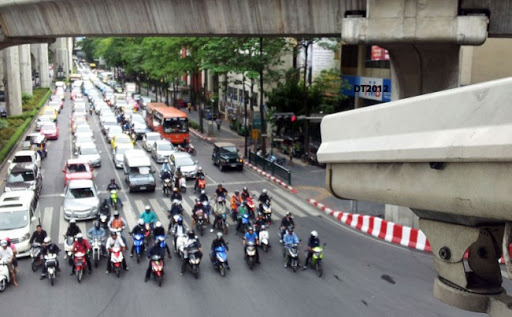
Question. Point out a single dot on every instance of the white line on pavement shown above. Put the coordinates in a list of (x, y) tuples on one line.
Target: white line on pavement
[(62, 226), (47, 218)]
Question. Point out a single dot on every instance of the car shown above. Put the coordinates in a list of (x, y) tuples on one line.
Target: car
[(81, 111), (81, 201), (106, 122), (118, 154), (149, 138), (3, 112), (43, 120), (185, 162), (226, 155), (55, 104), (81, 139), (83, 129), (50, 111), (77, 169), (24, 157), (26, 176), (138, 129), (113, 131), (77, 122), (50, 131), (162, 150), (90, 153), (120, 139), (29, 139), (100, 108)]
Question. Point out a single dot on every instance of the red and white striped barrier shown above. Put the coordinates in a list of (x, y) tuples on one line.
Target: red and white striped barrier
[(202, 137), (272, 178)]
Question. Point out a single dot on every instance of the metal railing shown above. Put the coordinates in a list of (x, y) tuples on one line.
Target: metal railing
[(272, 168)]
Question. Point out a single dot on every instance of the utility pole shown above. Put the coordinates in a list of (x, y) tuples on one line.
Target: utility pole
[(201, 106), (262, 108), (245, 114), (306, 45)]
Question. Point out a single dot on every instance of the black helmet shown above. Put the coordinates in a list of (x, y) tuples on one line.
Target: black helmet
[(96, 225), (113, 233), (191, 234), (290, 228), (116, 213)]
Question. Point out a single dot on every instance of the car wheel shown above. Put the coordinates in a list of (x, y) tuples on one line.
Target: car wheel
[(221, 167)]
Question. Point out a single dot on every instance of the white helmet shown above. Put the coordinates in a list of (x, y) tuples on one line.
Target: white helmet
[(314, 234), (158, 224), (264, 191), (72, 220), (47, 240), (79, 235), (3, 243), (140, 221), (200, 168)]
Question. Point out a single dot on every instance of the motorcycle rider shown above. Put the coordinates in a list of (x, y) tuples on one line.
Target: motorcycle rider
[(198, 176), (176, 194), (216, 243), (6, 255), (115, 241), (192, 241), (220, 191), (14, 252), (82, 245), (48, 248), (138, 229), (38, 235), (219, 209), (203, 197), (263, 199), (149, 216), (259, 222), (251, 236), (117, 223), (156, 249), (179, 229), (73, 229), (98, 232), (166, 173), (245, 193), (113, 186), (160, 231), (177, 177), (313, 242), (242, 210), (105, 208), (286, 222), (236, 200), (197, 206), (288, 239)]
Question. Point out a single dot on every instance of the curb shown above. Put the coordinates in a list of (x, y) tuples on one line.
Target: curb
[(384, 230), (272, 178), (199, 135)]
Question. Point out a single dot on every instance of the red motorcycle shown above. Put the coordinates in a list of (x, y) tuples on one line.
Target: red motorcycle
[(116, 260), (250, 206), (157, 268), (80, 265), (201, 183)]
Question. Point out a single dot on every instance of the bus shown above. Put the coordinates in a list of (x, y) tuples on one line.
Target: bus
[(171, 123)]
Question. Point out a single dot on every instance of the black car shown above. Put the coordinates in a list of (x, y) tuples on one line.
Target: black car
[(226, 155), (3, 112)]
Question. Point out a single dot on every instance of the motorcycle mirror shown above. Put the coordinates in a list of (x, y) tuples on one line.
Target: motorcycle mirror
[(62, 195), (33, 219), (76, 153)]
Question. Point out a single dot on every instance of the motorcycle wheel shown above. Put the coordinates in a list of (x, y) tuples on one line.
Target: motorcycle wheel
[(2, 285), (225, 229), (265, 248), (96, 262), (118, 272), (195, 271), (251, 263), (52, 279), (34, 265), (79, 275), (319, 269), (159, 280), (294, 266), (201, 231), (222, 270), (138, 258), (184, 190), (193, 153)]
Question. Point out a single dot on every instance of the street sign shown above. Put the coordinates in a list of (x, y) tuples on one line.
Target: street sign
[(255, 133), (256, 122)]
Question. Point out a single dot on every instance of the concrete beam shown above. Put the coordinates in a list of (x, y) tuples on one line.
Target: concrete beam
[(12, 80), (25, 69)]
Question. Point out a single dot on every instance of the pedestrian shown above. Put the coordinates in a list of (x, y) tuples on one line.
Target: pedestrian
[(290, 152), (189, 106), (219, 123)]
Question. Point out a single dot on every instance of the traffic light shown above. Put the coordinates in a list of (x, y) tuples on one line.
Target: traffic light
[(293, 118), (285, 116)]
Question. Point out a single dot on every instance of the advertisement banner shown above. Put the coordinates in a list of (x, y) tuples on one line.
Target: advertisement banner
[(379, 54), (367, 87)]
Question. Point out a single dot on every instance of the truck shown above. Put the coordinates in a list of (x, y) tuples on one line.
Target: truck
[(130, 88)]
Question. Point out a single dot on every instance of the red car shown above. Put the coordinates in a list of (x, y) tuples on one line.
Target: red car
[(77, 169), (50, 131)]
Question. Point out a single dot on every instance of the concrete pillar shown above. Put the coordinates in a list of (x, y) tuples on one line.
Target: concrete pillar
[(2, 86), (25, 69), (13, 81), (361, 58), (70, 54), (61, 58), (42, 57)]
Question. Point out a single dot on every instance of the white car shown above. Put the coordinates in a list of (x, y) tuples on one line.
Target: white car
[(149, 139), (81, 200), (90, 153), (24, 157), (162, 150), (113, 131), (83, 129), (42, 120)]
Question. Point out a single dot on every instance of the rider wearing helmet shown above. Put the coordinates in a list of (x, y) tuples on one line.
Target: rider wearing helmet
[(289, 239), (138, 229), (178, 230), (217, 243), (160, 232), (192, 242), (156, 249), (149, 216), (176, 194), (203, 196), (98, 232), (219, 210), (113, 186), (313, 242), (7, 255), (82, 245), (245, 193), (263, 199), (73, 229), (48, 248), (236, 200), (251, 236), (117, 222), (285, 223), (115, 241), (177, 177), (199, 174)]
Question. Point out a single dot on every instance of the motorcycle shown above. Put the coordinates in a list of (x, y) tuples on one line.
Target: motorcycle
[(68, 248), (113, 198), (116, 259), (51, 266), (35, 254), (193, 261), (200, 221), (80, 265), (96, 250), (267, 211), (5, 276), (293, 256), (201, 184), (189, 148), (221, 223), (250, 206), (147, 234), (179, 245), (104, 215), (163, 243), (264, 238), (138, 242), (207, 209), (316, 259), (167, 186), (219, 260), (182, 182), (157, 268), (250, 254), (246, 223)]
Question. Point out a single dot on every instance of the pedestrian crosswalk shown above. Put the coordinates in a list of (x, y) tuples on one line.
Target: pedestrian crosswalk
[(52, 217)]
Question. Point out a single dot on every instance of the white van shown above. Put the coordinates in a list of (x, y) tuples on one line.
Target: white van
[(18, 219), (137, 170)]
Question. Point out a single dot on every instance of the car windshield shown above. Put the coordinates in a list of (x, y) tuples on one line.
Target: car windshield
[(228, 150), (22, 159), (185, 161), (88, 151), (84, 139), (49, 112), (10, 220), (45, 119), (21, 176), (113, 130), (83, 128), (165, 147), (174, 125), (48, 128), (121, 150), (153, 137), (77, 168), (77, 193)]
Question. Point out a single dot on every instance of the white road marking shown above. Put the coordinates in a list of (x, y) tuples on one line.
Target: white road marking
[(63, 226), (47, 218)]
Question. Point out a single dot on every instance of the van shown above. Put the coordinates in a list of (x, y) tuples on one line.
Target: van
[(137, 170), (19, 218)]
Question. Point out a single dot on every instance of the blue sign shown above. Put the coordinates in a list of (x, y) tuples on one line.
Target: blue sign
[(367, 87)]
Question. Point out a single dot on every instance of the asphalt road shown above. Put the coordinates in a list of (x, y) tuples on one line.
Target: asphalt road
[(363, 276)]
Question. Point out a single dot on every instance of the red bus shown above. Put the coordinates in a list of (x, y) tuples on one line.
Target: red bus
[(171, 123)]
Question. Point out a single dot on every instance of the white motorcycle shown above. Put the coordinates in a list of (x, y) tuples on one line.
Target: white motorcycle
[(267, 211), (179, 246), (116, 260), (68, 248), (182, 183), (51, 266), (264, 238), (5, 277), (96, 250)]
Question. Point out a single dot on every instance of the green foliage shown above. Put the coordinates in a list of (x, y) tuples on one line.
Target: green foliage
[(11, 135), (193, 124), (25, 98), (3, 124)]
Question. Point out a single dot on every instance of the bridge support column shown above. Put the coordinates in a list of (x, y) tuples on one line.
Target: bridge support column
[(423, 39), (70, 54), (42, 57), (61, 58), (25, 69), (12, 80)]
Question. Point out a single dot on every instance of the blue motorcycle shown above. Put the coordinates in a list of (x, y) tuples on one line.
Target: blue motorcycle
[(246, 223), (138, 242), (220, 259), (163, 243)]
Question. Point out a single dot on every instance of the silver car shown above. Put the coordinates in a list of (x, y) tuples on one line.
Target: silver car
[(162, 150), (90, 153), (113, 131), (42, 120), (81, 200), (81, 139), (83, 129), (185, 162), (118, 154), (149, 139)]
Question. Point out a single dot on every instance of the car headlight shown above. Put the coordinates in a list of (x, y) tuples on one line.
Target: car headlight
[(240, 160), (7, 189), (25, 237), (32, 187), (94, 210)]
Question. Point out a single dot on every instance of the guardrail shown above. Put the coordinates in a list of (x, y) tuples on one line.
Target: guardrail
[(270, 167)]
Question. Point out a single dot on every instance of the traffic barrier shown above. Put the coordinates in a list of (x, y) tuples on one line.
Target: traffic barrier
[(272, 178)]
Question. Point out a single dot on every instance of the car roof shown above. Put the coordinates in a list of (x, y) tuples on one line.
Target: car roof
[(80, 183), (77, 160), (11, 201), (21, 167), (121, 136), (88, 145), (223, 144), (45, 117), (181, 154), (152, 133), (24, 153), (163, 141)]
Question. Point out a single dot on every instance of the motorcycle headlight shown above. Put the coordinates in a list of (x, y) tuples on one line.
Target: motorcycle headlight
[(25, 237)]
